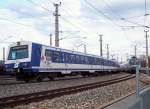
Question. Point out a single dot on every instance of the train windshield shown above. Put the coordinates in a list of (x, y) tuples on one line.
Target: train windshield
[(18, 52)]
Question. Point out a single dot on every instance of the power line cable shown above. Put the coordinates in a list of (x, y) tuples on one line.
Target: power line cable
[(69, 22), (18, 23), (50, 1), (125, 19), (145, 11), (132, 22), (137, 16), (122, 29), (145, 7), (111, 9), (60, 17), (79, 28), (39, 5), (99, 11), (7, 38), (12, 21)]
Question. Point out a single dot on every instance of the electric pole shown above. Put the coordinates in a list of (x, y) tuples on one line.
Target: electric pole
[(56, 14), (112, 56), (50, 39), (107, 51), (121, 60), (147, 62), (84, 48), (117, 59), (135, 49), (101, 45), (4, 54)]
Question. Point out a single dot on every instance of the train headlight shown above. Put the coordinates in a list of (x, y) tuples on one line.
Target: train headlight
[(16, 65)]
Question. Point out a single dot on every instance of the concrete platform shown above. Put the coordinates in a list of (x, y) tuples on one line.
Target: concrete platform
[(127, 103)]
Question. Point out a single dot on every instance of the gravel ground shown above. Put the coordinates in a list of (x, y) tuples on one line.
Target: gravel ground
[(10, 90), (91, 99)]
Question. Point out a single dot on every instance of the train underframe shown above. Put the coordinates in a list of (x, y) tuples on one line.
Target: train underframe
[(39, 76)]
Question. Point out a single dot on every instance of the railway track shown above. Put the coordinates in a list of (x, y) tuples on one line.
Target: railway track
[(34, 97), (12, 80)]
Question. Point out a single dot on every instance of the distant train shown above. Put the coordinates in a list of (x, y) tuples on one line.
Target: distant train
[(131, 64), (28, 60)]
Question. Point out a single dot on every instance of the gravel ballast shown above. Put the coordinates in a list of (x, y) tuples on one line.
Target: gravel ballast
[(91, 99), (18, 89)]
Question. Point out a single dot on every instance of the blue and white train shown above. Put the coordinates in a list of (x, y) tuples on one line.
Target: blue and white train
[(28, 60)]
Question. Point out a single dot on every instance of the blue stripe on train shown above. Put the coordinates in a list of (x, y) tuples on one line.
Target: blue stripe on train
[(65, 69)]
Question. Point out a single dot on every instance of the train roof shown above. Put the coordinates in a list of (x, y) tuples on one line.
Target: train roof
[(62, 49)]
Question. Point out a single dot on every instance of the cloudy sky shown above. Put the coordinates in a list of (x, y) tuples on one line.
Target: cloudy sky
[(120, 21)]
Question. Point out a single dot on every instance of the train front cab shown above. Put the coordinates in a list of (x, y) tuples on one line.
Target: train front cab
[(19, 59)]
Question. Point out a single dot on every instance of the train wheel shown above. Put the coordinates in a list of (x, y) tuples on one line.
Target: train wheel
[(50, 78), (39, 79), (27, 80)]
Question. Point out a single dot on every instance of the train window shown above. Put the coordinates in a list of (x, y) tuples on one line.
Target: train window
[(77, 59), (69, 58), (66, 57), (56, 56), (86, 60), (63, 57), (100, 61), (104, 62), (90, 60), (48, 53), (18, 52), (72, 56), (97, 61), (94, 61), (82, 59)]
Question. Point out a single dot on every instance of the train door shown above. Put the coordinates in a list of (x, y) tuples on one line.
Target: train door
[(46, 57)]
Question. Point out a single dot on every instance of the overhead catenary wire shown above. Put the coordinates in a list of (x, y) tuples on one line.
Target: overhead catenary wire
[(126, 19), (132, 17), (3, 40), (145, 7), (133, 22), (69, 22), (100, 12), (64, 19), (79, 28), (145, 12), (18, 23), (50, 1), (108, 18), (39, 5), (111, 8), (15, 22)]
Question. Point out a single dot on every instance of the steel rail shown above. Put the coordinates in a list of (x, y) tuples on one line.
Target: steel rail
[(38, 96)]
